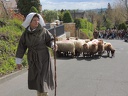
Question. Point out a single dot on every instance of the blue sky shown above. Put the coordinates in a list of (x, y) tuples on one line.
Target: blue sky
[(75, 4)]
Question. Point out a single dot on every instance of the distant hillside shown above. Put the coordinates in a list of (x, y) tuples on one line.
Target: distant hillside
[(98, 10), (95, 10)]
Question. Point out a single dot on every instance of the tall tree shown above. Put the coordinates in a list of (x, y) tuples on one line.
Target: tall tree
[(109, 11), (120, 12), (125, 8), (109, 17), (24, 6)]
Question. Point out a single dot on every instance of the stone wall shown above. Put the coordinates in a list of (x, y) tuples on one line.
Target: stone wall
[(70, 27)]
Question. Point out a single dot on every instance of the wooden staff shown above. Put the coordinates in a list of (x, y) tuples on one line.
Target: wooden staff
[(55, 58)]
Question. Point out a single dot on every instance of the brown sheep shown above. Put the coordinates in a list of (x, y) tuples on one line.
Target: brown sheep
[(100, 48), (86, 49), (93, 49), (100, 45), (109, 48)]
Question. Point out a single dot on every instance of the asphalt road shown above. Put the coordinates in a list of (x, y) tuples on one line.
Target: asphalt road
[(82, 76)]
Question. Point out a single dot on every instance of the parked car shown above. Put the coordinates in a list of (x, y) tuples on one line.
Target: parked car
[(126, 37)]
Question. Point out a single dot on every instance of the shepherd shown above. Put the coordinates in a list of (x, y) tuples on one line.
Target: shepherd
[(36, 40)]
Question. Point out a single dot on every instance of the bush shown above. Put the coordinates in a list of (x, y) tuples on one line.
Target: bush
[(9, 37), (67, 18), (88, 33), (122, 26)]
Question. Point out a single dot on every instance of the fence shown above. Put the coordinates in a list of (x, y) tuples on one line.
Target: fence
[(59, 30)]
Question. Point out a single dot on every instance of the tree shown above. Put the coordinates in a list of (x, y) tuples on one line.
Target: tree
[(33, 9), (108, 23), (122, 26), (92, 17), (125, 8), (67, 18), (77, 23), (50, 15), (120, 12), (24, 6)]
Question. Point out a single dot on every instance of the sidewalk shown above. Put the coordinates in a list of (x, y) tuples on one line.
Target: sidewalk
[(12, 75)]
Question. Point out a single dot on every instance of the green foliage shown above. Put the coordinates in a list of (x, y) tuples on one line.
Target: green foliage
[(108, 23), (83, 24), (67, 18), (9, 37), (122, 26), (102, 28), (89, 26), (77, 23), (24, 6), (50, 15), (88, 33), (60, 15), (33, 9)]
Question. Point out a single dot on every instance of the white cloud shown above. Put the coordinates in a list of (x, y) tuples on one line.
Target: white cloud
[(73, 5)]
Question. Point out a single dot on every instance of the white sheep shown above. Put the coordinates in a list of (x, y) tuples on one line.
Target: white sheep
[(66, 47), (86, 50), (90, 48), (78, 46)]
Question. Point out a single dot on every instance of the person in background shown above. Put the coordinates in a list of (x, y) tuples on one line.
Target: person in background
[(37, 39), (95, 34)]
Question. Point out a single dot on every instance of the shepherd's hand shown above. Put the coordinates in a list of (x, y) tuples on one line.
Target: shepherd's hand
[(54, 47)]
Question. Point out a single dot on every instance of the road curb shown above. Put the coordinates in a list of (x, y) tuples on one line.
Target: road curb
[(12, 75)]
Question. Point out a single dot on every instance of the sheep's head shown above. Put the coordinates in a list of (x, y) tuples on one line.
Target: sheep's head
[(85, 45), (113, 52), (101, 41), (94, 46)]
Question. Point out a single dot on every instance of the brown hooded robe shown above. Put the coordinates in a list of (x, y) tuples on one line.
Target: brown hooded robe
[(40, 72)]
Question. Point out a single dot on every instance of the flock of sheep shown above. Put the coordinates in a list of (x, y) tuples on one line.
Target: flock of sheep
[(88, 48)]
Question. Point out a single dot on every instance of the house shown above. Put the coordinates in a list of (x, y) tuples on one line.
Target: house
[(78, 14)]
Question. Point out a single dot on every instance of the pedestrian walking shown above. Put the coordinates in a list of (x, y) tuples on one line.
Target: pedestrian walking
[(95, 34), (37, 39)]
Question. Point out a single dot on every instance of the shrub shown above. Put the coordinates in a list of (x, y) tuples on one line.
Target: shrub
[(67, 18), (9, 37)]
